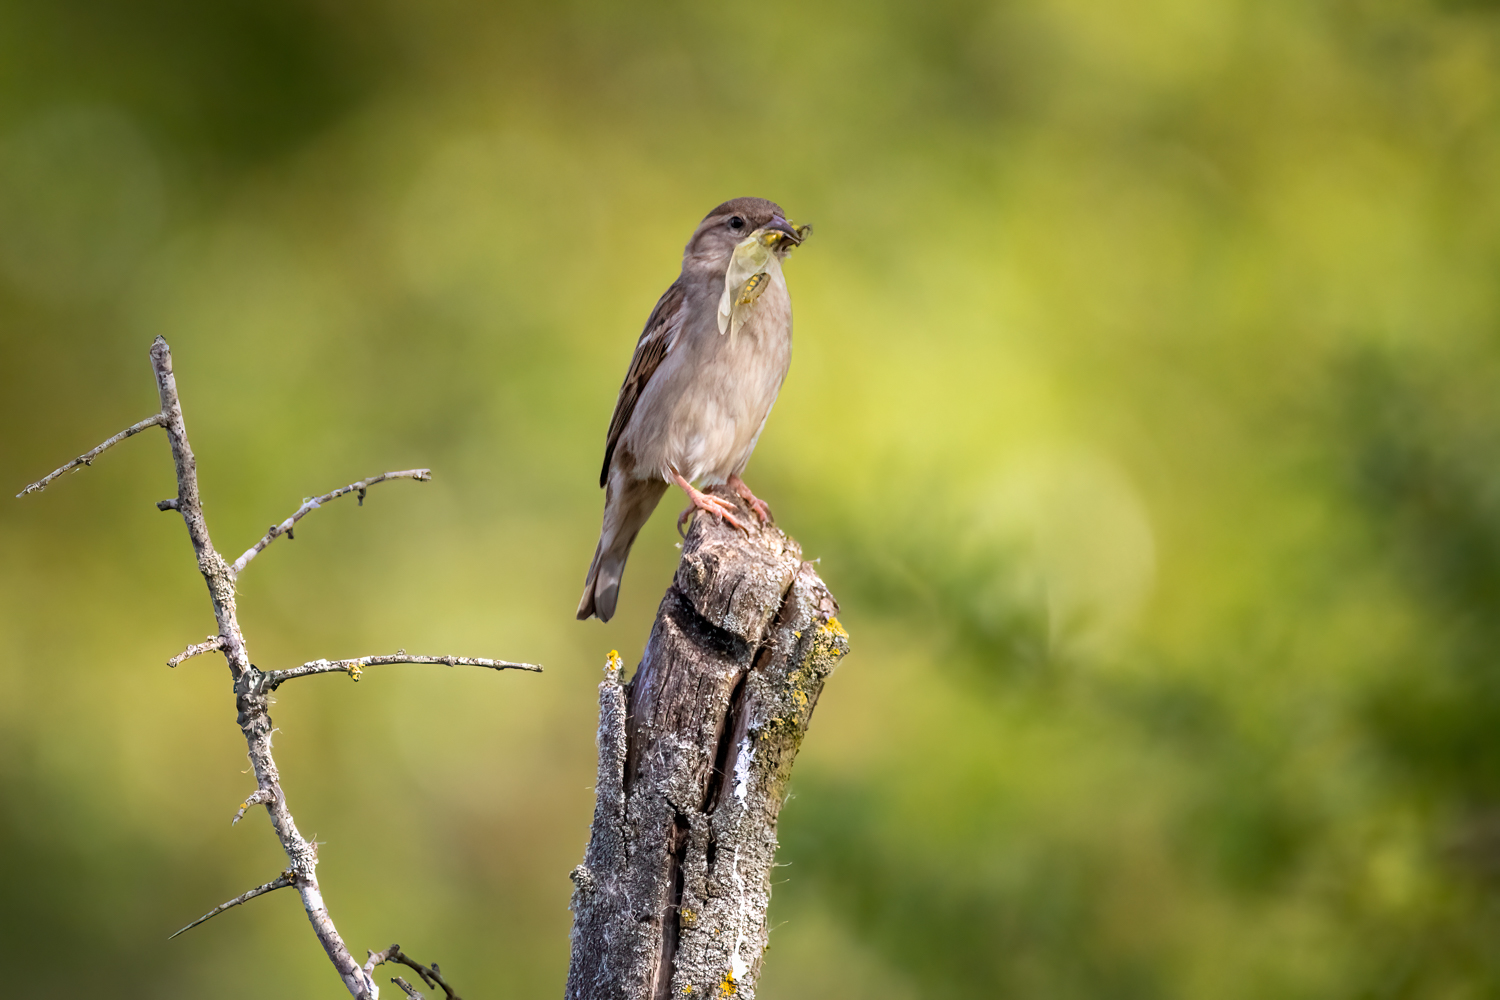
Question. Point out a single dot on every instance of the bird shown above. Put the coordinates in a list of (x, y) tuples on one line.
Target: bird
[(706, 371)]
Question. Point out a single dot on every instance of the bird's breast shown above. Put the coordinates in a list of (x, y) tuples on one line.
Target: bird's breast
[(720, 391)]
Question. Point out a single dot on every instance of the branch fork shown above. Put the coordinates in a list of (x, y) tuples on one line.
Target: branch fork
[(431, 975)]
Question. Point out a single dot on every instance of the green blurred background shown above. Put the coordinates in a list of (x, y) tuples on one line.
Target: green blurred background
[(1145, 415)]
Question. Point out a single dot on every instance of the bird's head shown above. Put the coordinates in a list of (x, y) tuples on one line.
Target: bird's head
[(735, 224)]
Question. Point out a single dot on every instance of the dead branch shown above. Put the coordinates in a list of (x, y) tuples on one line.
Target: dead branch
[(694, 758), (431, 975), (251, 685), (308, 506), (279, 882), (87, 458), (354, 668)]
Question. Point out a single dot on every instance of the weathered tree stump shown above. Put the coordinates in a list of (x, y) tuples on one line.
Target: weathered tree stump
[(694, 758)]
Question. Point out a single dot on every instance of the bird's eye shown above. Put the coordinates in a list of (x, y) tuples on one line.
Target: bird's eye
[(736, 223)]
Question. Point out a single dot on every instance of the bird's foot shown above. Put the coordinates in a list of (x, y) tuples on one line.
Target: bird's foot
[(756, 503), (718, 507)]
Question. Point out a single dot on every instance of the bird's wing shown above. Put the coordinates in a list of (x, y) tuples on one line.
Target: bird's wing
[(655, 341)]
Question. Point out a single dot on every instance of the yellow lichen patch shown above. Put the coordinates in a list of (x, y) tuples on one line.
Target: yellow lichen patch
[(688, 917), (727, 986), (354, 670), (799, 699), (613, 664), (829, 646)]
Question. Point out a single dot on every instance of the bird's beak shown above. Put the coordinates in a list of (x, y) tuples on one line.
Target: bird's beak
[(780, 225), (779, 229)]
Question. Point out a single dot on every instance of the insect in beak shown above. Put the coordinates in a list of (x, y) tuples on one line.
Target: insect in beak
[(781, 234)]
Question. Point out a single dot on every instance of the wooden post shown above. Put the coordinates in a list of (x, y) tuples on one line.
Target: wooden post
[(694, 758)]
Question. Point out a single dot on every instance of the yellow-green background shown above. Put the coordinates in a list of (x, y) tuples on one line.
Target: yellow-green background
[(1145, 416)]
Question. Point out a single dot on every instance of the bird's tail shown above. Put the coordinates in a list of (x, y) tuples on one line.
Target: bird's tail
[(626, 510)]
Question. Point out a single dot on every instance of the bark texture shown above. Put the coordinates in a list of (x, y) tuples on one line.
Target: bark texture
[(694, 758)]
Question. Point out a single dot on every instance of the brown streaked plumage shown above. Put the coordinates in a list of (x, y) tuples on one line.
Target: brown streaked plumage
[(700, 385), (649, 351)]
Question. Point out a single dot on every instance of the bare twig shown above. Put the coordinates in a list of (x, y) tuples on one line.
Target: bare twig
[(407, 988), (87, 458), (275, 678), (279, 882), (214, 642), (308, 506), (431, 974)]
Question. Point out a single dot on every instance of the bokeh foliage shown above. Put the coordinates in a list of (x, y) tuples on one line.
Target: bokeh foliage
[(1145, 415)]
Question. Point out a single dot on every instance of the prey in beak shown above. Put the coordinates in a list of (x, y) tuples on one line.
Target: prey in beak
[(754, 260), (781, 235)]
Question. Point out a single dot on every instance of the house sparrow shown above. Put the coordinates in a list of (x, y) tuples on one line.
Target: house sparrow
[(706, 370)]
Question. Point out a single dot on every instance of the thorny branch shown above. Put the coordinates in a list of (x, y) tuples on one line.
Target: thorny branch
[(308, 506), (253, 686)]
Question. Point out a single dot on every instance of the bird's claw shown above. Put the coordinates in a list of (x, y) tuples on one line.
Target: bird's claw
[(719, 508), (755, 503), (758, 505)]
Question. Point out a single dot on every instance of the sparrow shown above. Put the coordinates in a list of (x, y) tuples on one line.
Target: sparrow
[(706, 370)]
